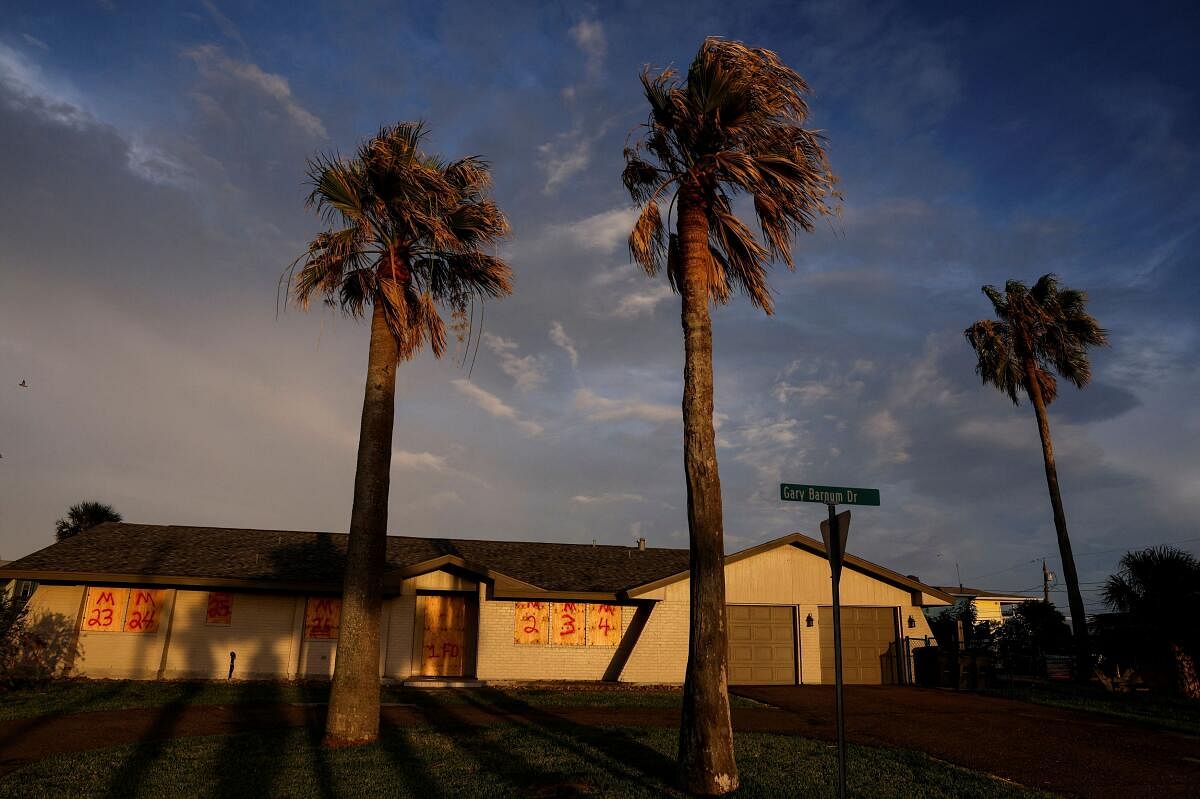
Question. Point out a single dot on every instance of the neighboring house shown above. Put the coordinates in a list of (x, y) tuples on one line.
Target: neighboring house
[(145, 601), (989, 605), (21, 589)]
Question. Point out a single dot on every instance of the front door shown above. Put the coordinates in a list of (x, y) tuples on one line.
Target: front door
[(442, 653)]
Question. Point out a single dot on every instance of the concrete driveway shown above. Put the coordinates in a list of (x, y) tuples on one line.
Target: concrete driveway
[(1067, 752)]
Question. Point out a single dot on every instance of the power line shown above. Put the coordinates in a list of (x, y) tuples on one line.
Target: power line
[(1084, 555)]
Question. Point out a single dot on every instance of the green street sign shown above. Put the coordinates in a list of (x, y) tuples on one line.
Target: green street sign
[(828, 495)]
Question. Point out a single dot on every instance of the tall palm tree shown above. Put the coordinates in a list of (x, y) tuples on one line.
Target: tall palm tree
[(1038, 330), (733, 126), (406, 232), (84, 516), (1160, 588)]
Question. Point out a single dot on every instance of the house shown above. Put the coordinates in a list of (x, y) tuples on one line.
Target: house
[(148, 601), (989, 605)]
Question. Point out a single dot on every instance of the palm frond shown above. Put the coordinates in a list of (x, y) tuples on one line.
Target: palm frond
[(743, 260), (997, 362), (646, 241)]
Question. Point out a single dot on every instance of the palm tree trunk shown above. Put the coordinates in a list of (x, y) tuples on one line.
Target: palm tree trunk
[(354, 701), (1185, 672), (706, 734), (1083, 660)]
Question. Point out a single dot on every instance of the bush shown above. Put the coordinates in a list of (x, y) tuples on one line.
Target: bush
[(1034, 630)]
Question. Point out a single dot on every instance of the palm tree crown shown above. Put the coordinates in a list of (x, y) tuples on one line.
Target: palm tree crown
[(1161, 585), (1047, 324), (84, 516), (406, 231), (734, 126)]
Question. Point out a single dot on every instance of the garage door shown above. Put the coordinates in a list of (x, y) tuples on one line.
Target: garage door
[(762, 645), (867, 638)]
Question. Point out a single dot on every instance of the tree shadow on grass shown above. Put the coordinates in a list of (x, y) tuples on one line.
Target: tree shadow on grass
[(235, 777), (614, 750), (398, 745), (506, 763), (141, 761)]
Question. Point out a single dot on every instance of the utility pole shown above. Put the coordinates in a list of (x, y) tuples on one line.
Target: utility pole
[(1046, 578)]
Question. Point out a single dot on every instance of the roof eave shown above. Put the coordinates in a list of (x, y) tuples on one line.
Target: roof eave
[(174, 581)]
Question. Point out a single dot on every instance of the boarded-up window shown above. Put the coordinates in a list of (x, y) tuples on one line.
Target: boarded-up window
[(220, 608), (604, 625), (104, 609), (532, 622), (144, 609), (322, 617), (569, 624)]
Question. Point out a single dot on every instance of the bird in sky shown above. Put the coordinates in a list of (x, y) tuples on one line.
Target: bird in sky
[(23, 384)]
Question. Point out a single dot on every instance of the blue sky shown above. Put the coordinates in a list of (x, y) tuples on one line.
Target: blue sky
[(154, 154)]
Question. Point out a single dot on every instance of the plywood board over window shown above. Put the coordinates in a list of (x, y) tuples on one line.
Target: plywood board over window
[(142, 613), (531, 622), (220, 608), (322, 618), (104, 609), (604, 625), (569, 625)]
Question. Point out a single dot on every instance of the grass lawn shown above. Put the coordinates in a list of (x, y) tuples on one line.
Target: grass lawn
[(499, 761), (80, 696), (1164, 712)]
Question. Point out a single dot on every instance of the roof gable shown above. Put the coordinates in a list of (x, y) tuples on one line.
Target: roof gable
[(815, 547)]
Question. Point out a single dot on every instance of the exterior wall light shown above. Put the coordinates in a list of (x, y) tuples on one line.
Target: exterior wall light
[(911, 622), (808, 621)]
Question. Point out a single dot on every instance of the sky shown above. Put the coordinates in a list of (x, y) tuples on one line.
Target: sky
[(153, 157)]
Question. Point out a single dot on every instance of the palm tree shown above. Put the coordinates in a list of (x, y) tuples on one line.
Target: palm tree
[(1038, 330), (733, 126), (406, 232), (1160, 588), (84, 516)]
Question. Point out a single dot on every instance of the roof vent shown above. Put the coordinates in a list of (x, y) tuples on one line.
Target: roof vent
[(642, 544)]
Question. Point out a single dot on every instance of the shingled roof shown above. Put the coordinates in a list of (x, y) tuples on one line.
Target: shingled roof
[(285, 559)]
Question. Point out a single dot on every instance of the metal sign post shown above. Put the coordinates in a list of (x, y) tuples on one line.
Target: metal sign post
[(834, 531)]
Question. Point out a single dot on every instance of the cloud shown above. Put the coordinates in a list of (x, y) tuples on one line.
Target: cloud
[(603, 409), (227, 27), (598, 499), (559, 336), (528, 372), (589, 37), (781, 432), (888, 435), (418, 461), (565, 156), (642, 302), (157, 166), (215, 65), (605, 231), (495, 406), (35, 41), (29, 89), (444, 500)]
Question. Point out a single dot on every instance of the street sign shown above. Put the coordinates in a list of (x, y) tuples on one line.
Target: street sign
[(828, 495), (843, 527)]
